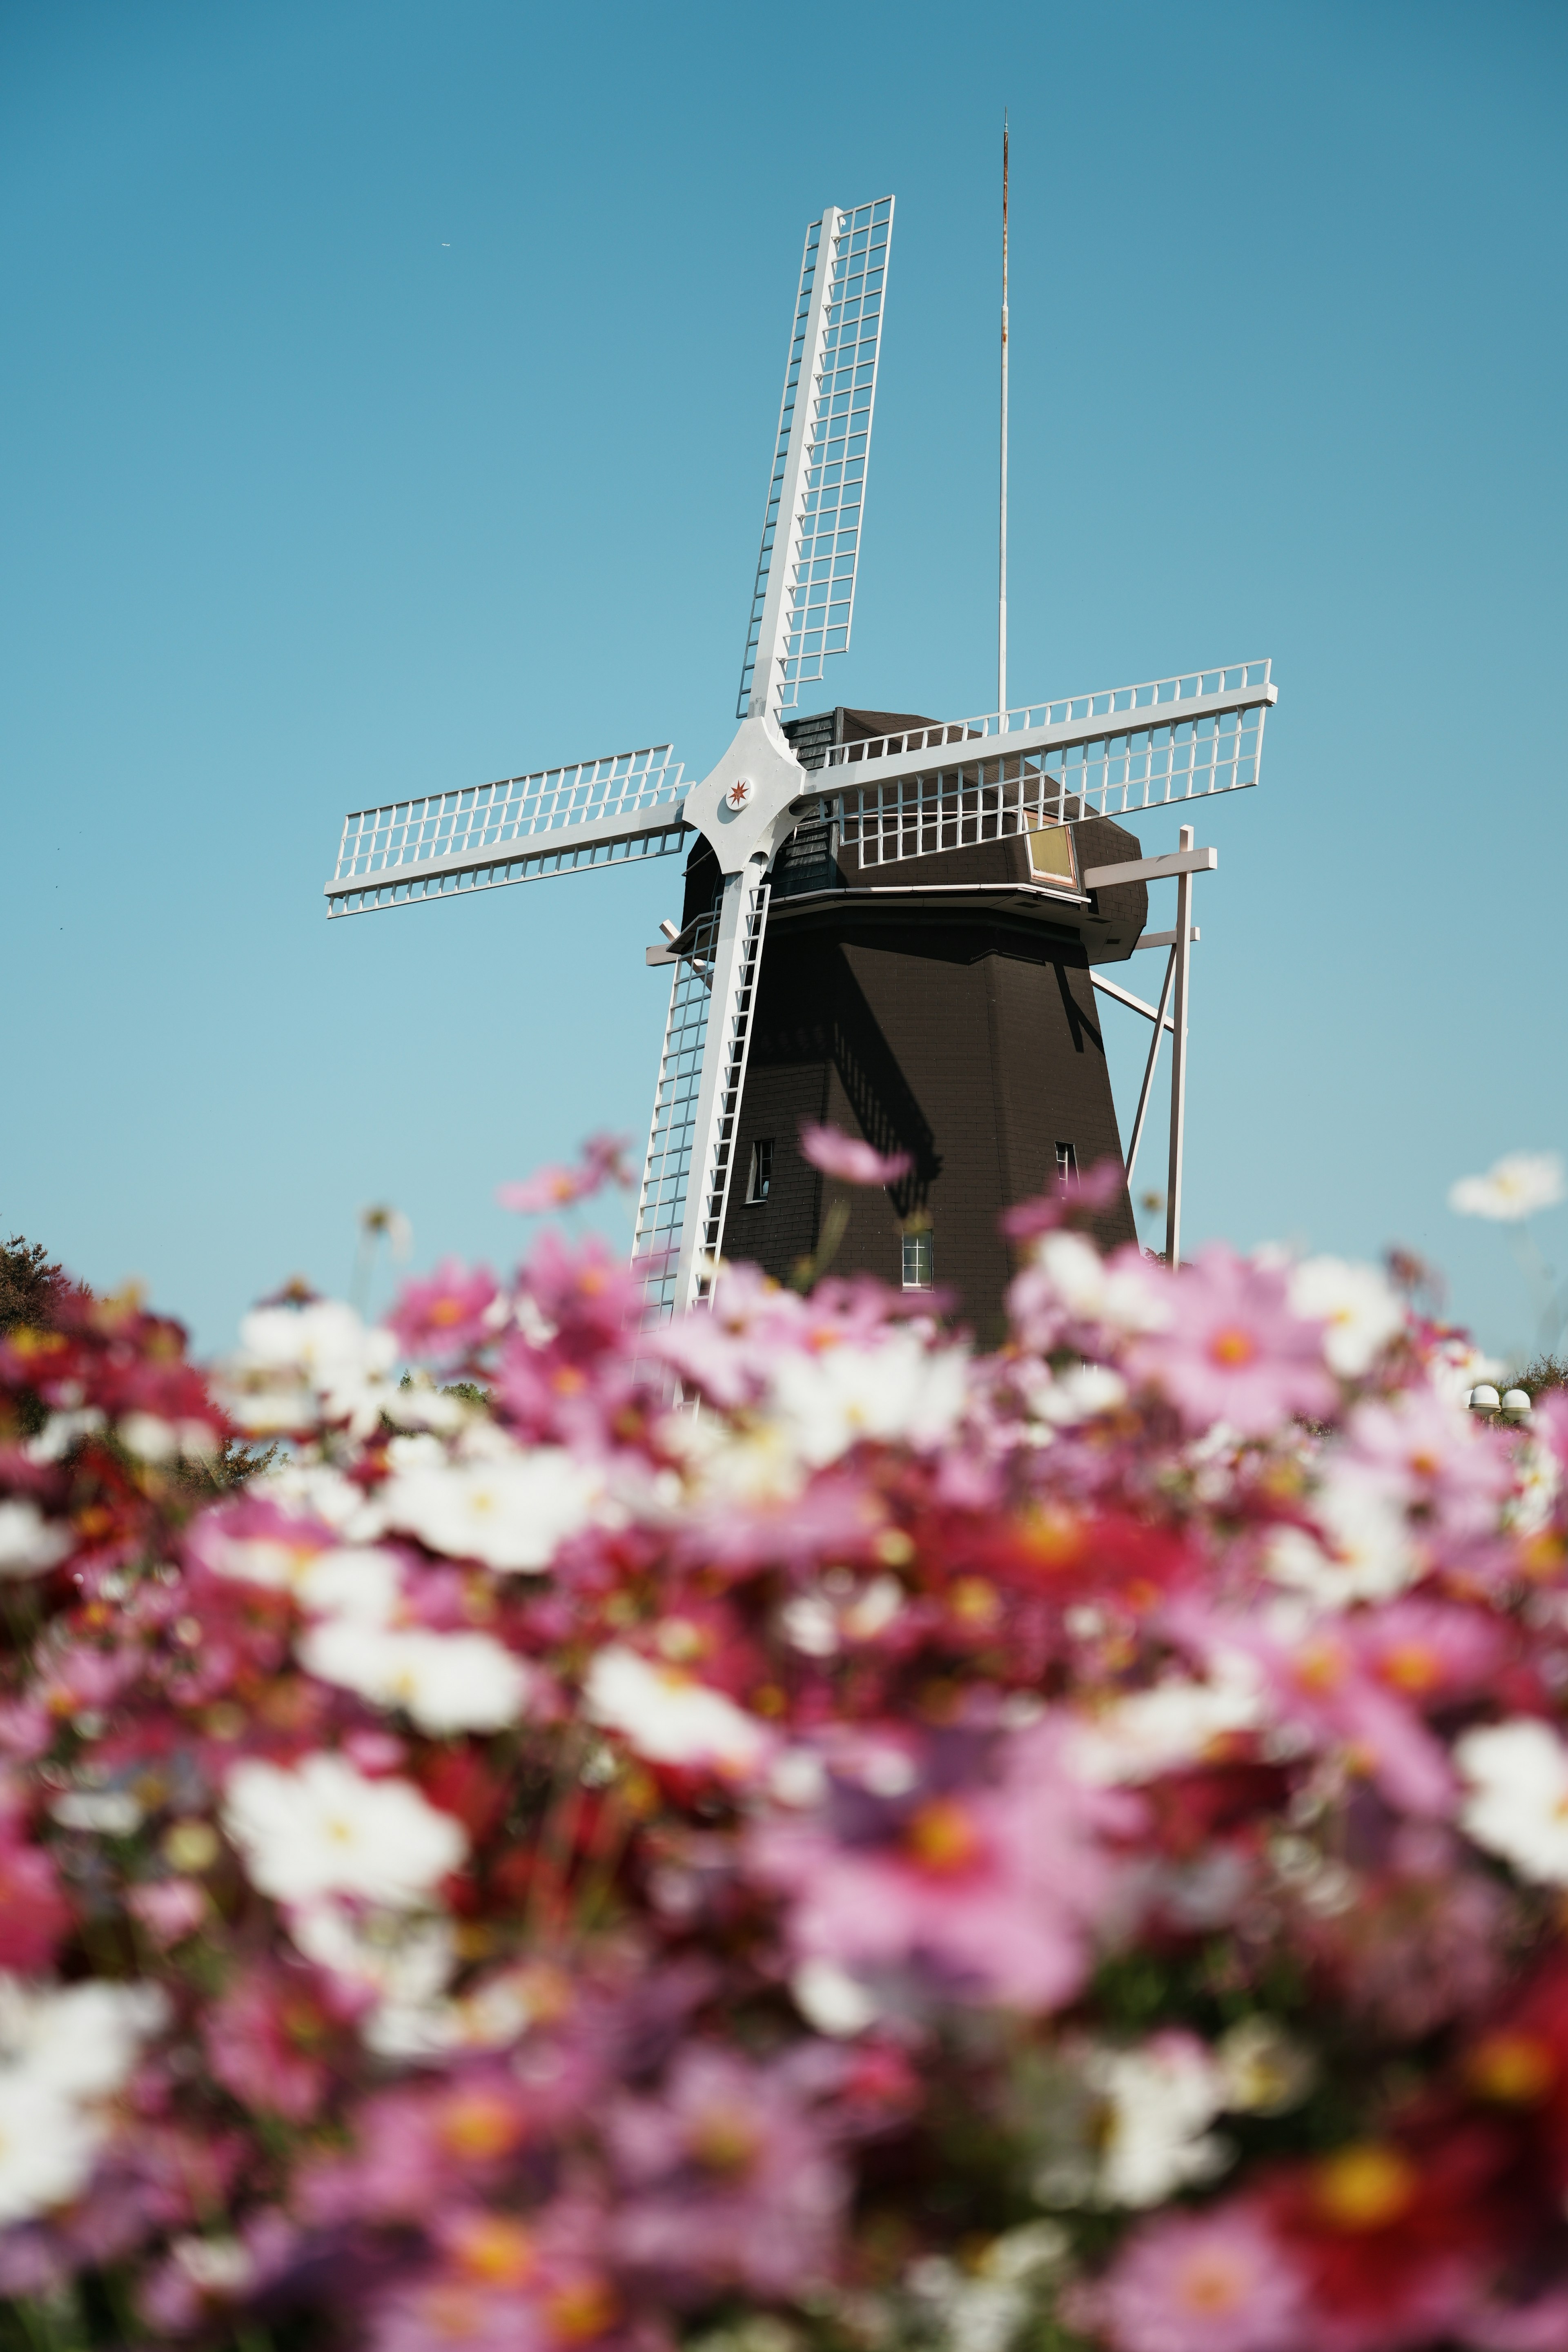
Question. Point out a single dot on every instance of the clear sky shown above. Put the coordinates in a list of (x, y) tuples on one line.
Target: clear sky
[(388, 392)]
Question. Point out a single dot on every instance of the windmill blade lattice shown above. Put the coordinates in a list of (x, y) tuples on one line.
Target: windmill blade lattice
[(555, 821), (697, 1103), (1201, 735), (803, 606)]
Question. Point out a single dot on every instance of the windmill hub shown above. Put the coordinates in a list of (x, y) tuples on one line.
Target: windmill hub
[(743, 805)]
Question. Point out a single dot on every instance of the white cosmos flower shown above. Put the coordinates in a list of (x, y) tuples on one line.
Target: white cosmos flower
[(402, 1960), (1455, 1367), (324, 1828), (61, 1432), (1369, 1556), (1357, 1306), (355, 1580), (1093, 1291), (1161, 2099), (670, 1717), (899, 1391), (1078, 1394), (28, 1542), (291, 1353), (46, 2147), (1171, 1724), (513, 1511), (831, 2000), (446, 1682), (324, 1341), (315, 1490), (1514, 1187), (62, 2049), (79, 2040), (154, 1439), (1516, 1804)]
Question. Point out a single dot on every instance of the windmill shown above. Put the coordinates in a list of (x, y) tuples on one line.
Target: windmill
[(1040, 778)]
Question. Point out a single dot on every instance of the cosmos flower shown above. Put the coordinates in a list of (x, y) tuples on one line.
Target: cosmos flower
[(322, 1828), (1213, 2282), (512, 1510), (28, 1542), (446, 1682), (1513, 1188), (850, 1160), (671, 1717), (1516, 1805), (1359, 1312), (443, 1315), (1234, 1353)]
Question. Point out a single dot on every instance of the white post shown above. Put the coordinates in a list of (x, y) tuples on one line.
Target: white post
[(1149, 1067), (1002, 582), (1182, 955)]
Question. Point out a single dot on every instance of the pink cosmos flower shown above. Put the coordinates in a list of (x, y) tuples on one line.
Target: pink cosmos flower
[(1234, 1351), (1429, 1651), (993, 1885), (268, 2040), (445, 1315), (505, 2284), (1073, 1204), (854, 1162), (729, 2181), (1432, 1452), (35, 1917), (1323, 1686), (555, 1187), (550, 1187), (169, 1909), (1214, 2282), (590, 1294), (417, 2147)]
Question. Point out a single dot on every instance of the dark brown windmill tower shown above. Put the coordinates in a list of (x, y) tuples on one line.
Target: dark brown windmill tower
[(891, 924), (943, 1010)]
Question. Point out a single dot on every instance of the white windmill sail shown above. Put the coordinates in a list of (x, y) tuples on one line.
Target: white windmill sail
[(555, 821), (1114, 753), (803, 606), (802, 610), (701, 1077)]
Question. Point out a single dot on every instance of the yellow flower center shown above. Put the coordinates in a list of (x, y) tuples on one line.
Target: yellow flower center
[(942, 1836), (1210, 2283), (498, 2250), (723, 2139), (1364, 2187), (1515, 2069)]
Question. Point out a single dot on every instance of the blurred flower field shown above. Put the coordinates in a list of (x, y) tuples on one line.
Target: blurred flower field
[(783, 1833)]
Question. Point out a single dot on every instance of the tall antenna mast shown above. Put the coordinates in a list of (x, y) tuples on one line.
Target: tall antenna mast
[(1002, 578)]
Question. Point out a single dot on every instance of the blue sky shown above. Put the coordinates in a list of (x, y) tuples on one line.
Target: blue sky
[(387, 403)]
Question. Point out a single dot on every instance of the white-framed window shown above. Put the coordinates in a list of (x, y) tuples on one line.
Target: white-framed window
[(1066, 1164), (917, 1275), (761, 1170)]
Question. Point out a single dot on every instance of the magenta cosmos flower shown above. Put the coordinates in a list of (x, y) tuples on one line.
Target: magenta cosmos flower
[(1216, 2281), (992, 1886), (444, 1313), (1234, 1351)]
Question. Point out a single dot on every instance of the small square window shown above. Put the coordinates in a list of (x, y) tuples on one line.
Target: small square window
[(917, 1262), (1066, 1164), (1051, 854), (761, 1174)]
